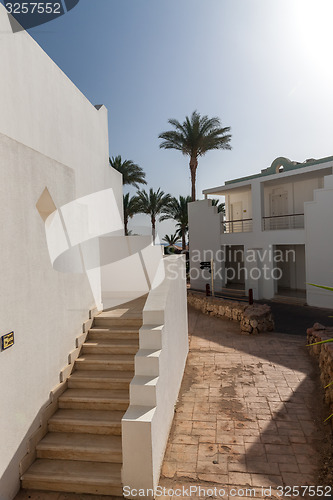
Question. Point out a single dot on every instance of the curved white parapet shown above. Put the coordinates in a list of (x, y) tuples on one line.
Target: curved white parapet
[(159, 368), (86, 236)]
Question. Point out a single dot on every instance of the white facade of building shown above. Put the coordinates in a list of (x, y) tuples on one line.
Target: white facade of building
[(276, 236)]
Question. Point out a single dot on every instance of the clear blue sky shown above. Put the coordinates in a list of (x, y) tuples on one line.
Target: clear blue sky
[(263, 66)]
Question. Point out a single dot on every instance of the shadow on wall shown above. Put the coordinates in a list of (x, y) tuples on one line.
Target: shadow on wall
[(13, 468)]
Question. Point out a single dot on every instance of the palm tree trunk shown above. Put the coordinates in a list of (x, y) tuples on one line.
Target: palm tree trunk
[(125, 226), (193, 168), (153, 221), (183, 239)]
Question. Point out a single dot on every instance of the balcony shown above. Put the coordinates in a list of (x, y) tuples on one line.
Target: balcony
[(275, 222), (237, 226)]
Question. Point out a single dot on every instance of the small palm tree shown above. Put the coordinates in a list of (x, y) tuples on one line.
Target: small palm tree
[(152, 203), (177, 210), (132, 173), (194, 137), (130, 209), (220, 206), (171, 239)]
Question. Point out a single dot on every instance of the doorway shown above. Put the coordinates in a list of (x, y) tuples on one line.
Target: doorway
[(278, 208), (236, 215)]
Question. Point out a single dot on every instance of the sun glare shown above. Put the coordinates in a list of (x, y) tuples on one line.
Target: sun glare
[(313, 27)]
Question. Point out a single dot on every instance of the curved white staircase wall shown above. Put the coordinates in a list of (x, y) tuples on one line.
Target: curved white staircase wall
[(159, 368), (128, 267)]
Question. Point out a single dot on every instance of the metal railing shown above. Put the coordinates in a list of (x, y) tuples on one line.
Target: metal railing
[(291, 221), (237, 226)]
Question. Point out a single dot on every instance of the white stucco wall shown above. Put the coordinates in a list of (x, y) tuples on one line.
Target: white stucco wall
[(204, 241), (159, 368), (50, 136), (41, 108), (319, 244)]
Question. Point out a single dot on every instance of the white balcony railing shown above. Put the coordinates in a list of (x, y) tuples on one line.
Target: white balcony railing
[(237, 226), (291, 221)]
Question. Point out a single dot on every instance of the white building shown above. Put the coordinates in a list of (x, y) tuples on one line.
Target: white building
[(58, 192), (276, 236)]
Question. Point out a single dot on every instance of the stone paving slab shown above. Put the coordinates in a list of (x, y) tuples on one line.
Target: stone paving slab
[(246, 415)]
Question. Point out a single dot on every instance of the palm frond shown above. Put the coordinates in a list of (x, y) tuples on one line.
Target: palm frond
[(172, 239), (220, 205), (153, 202), (321, 342), (321, 286), (132, 173)]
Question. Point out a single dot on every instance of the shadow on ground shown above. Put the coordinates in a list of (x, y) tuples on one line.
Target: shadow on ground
[(295, 319)]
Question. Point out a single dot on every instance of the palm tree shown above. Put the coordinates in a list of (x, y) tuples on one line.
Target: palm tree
[(197, 135), (220, 206), (177, 210), (130, 209), (132, 173), (171, 240), (153, 203)]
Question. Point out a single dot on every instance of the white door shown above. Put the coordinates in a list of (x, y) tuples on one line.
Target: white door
[(236, 215), (279, 207)]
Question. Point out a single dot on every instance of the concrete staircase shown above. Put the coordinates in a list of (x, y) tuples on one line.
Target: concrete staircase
[(82, 453)]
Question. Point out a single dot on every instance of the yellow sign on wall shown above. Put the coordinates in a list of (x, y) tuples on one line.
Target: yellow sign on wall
[(7, 341)]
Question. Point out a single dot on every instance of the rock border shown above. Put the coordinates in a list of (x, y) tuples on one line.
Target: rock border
[(324, 355), (252, 319)]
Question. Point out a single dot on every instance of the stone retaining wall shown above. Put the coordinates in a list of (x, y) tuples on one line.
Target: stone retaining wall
[(253, 319), (324, 354)]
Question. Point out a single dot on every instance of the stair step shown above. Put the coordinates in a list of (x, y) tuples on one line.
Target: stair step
[(113, 333), (82, 451), (94, 399), (100, 379), (111, 321), (115, 346), (86, 421), (123, 362), (74, 477), (82, 447)]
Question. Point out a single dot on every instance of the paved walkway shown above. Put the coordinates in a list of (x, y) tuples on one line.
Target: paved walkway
[(245, 416)]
